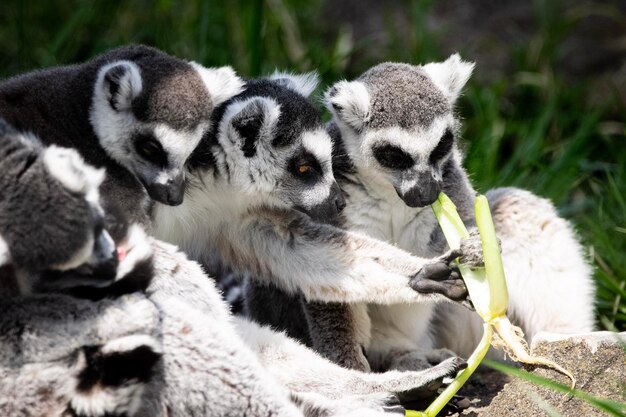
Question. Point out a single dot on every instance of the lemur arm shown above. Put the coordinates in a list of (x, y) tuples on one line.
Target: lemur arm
[(329, 264)]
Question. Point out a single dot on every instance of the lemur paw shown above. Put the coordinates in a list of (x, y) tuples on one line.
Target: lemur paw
[(471, 250), (433, 378), (441, 276)]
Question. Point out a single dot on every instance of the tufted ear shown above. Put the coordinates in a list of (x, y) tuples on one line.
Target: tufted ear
[(250, 122), (222, 83), (120, 82), (69, 168), (349, 101), (450, 76), (303, 84)]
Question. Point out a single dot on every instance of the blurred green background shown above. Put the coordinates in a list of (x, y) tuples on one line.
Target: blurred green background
[(546, 108)]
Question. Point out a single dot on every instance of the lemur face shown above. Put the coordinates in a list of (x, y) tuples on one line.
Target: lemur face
[(50, 214), (51, 221), (150, 119), (274, 144), (398, 126)]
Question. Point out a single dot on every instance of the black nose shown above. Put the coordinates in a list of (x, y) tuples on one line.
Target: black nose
[(171, 193), (423, 194)]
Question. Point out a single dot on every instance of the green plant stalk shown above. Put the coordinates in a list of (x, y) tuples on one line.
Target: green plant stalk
[(488, 290), (478, 286), (472, 363)]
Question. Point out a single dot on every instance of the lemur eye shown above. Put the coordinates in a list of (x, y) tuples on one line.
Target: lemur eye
[(443, 147), (150, 149), (306, 167), (393, 157)]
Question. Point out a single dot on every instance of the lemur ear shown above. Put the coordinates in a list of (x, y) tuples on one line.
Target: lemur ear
[(450, 76), (121, 83), (349, 101), (250, 121), (303, 84), (222, 83), (69, 168)]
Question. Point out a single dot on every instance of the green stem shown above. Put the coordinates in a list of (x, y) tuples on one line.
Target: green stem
[(472, 363)]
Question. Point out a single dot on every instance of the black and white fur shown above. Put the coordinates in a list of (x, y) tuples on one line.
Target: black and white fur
[(134, 110), (50, 214), (248, 200), (168, 347), (396, 138)]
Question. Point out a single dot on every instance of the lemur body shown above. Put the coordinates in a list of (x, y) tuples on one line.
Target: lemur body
[(134, 110), (395, 131), (267, 163), (171, 350)]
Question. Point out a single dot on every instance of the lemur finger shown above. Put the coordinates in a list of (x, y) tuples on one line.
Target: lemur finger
[(453, 289), (472, 250), (436, 271), (450, 256)]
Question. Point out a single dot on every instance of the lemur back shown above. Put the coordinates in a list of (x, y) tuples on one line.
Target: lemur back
[(134, 110), (398, 134)]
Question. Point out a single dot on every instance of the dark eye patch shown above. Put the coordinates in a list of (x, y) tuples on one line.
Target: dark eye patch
[(150, 149), (393, 157), (443, 147), (306, 167)]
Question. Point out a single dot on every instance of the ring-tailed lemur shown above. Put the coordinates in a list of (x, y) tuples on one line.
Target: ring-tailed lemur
[(175, 351), (134, 110), (258, 176), (395, 133), (172, 350), (50, 214)]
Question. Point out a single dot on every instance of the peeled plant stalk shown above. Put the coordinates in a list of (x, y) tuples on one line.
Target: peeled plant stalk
[(489, 294)]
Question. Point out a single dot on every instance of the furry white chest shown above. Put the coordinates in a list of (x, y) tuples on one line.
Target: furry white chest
[(386, 217)]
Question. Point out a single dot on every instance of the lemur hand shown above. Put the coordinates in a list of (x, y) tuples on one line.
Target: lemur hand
[(471, 250), (441, 276)]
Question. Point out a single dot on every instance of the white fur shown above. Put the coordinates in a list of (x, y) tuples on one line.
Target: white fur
[(353, 100), (319, 145), (107, 122), (130, 84), (450, 76), (104, 401), (178, 145), (550, 285), (69, 168), (5, 253), (222, 83), (303, 84), (138, 249), (129, 343)]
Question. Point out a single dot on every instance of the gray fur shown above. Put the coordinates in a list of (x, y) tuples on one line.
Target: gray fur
[(206, 369), (34, 206), (402, 95), (249, 208), (404, 337), (58, 106)]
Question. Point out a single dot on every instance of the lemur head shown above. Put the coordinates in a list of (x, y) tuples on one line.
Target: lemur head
[(271, 141), (150, 110), (397, 123), (51, 219)]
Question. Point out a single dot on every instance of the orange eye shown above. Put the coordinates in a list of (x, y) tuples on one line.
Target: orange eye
[(304, 168)]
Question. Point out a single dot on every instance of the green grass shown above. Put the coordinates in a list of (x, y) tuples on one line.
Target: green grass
[(529, 127)]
